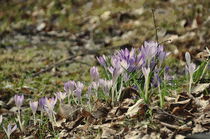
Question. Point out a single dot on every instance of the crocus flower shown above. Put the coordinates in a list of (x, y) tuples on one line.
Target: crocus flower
[(79, 85), (102, 60), (191, 68), (61, 96), (41, 103), (95, 85), (78, 93), (149, 50), (156, 80), (34, 106), (79, 88), (69, 86), (1, 118), (50, 104), (105, 85), (188, 58), (18, 100), (146, 71), (161, 57), (94, 73), (10, 130)]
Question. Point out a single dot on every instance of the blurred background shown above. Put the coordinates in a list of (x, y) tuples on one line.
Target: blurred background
[(39, 37)]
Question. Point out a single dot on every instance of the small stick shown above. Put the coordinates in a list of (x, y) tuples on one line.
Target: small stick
[(155, 25)]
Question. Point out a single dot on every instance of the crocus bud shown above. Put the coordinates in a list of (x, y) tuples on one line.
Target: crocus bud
[(94, 73), (34, 106), (18, 100), (69, 86), (42, 103), (102, 60), (187, 58)]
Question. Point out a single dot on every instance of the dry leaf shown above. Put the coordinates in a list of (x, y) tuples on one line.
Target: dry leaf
[(133, 110), (200, 88), (107, 132)]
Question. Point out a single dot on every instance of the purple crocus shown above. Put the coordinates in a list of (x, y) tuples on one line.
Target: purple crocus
[(191, 68), (149, 50), (94, 73), (105, 85), (50, 104), (42, 103), (79, 88), (33, 106), (69, 86), (9, 130), (102, 60), (156, 80), (18, 100)]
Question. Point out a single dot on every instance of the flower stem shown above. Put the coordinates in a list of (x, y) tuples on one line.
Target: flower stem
[(161, 97), (190, 83), (146, 87), (34, 119)]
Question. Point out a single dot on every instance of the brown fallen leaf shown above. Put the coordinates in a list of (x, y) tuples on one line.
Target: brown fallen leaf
[(180, 111), (100, 113)]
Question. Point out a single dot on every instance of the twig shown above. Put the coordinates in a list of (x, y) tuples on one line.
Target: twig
[(155, 25)]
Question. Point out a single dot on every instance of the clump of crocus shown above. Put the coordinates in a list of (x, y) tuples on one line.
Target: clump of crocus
[(191, 68), (125, 66), (9, 130), (34, 106), (49, 108), (19, 102)]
